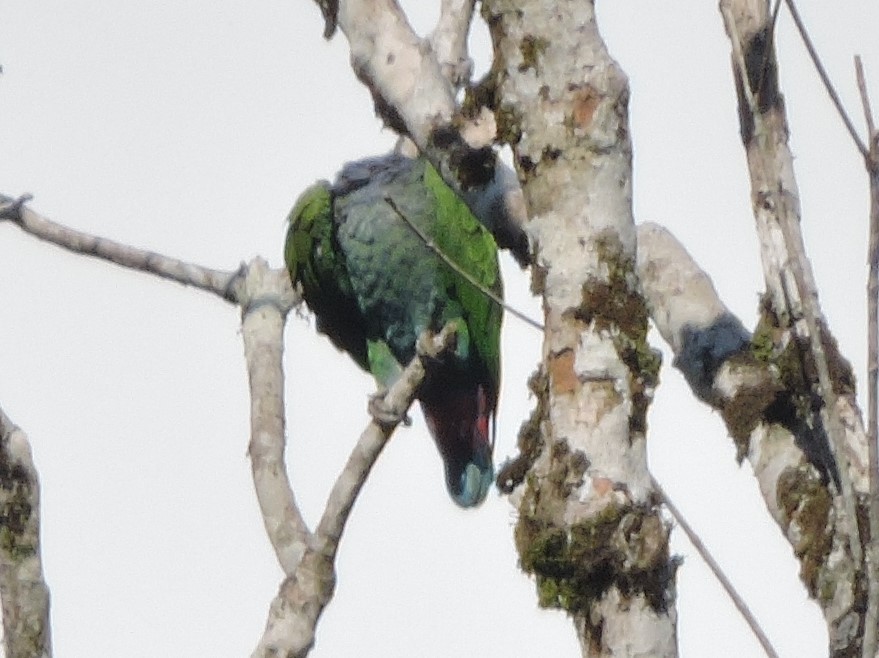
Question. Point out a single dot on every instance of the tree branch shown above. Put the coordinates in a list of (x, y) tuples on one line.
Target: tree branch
[(218, 282), (23, 589), (825, 79), (266, 297), (587, 480), (716, 569), (414, 97), (776, 207), (295, 611), (397, 401), (714, 352), (871, 619), (449, 41)]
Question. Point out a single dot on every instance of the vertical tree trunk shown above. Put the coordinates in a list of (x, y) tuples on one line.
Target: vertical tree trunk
[(589, 525)]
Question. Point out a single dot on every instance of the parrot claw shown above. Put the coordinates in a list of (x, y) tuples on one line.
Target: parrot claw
[(426, 344), (383, 414)]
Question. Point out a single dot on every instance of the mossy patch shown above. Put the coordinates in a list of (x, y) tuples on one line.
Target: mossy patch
[(614, 304), (807, 503), (532, 48), (751, 404), (621, 546), (15, 510), (530, 440), (798, 404)]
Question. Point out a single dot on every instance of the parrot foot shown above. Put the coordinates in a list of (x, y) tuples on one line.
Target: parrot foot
[(383, 414), (432, 347)]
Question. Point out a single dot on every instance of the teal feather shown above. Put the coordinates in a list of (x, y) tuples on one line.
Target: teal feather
[(374, 287)]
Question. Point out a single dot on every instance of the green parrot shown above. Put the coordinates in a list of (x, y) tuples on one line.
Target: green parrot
[(375, 286)]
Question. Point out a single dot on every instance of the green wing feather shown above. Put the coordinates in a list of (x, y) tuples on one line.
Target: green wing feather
[(472, 248), (375, 286), (315, 261)]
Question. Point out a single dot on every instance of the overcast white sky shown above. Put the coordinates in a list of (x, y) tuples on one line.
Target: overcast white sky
[(190, 128)]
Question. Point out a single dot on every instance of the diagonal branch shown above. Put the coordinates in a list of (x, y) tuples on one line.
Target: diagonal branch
[(720, 362), (717, 570), (302, 597), (414, 98), (871, 620), (397, 400), (776, 208), (825, 79), (216, 281), (23, 589)]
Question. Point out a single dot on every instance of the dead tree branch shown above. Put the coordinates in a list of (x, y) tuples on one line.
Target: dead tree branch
[(871, 623), (215, 281), (309, 587), (406, 76), (739, 376)]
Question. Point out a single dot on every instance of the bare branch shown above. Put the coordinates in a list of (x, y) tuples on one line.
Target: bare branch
[(218, 282), (871, 618), (23, 589), (266, 297), (414, 97), (825, 79), (865, 102), (776, 208), (716, 569), (449, 41), (713, 350), (397, 400), (295, 611)]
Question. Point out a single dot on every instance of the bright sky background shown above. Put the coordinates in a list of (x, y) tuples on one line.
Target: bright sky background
[(190, 128)]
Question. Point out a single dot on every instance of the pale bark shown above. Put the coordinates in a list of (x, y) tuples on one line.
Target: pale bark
[(265, 299), (307, 558), (714, 352), (309, 587), (563, 103), (413, 95), (23, 589), (871, 160), (188, 274), (794, 312)]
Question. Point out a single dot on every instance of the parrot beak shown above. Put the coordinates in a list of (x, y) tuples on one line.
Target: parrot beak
[(474, 485)]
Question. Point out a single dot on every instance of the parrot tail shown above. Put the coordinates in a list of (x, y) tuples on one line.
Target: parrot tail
[(461, 421)]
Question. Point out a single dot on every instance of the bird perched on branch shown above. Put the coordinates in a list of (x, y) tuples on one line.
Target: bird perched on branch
[(364, 250)]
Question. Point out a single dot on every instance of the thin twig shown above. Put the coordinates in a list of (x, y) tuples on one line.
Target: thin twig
[(430, 244), (825, 79), (865, 102), (871, 618), (716, 569), (216, 281)]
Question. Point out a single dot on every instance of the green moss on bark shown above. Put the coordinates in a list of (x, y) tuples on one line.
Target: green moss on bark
[(622, 546)]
